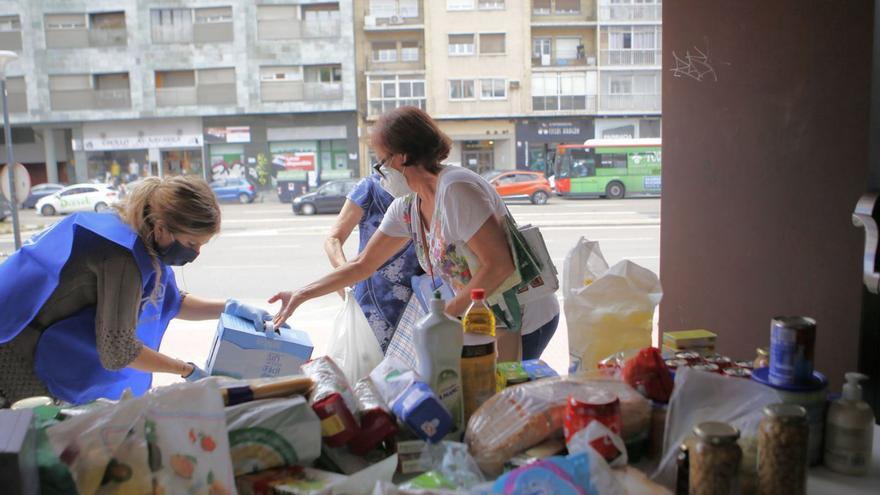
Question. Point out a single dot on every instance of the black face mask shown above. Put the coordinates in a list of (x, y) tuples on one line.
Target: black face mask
[(177, 254)]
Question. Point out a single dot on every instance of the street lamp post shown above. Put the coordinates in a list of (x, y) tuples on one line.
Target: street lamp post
[(5, 58)]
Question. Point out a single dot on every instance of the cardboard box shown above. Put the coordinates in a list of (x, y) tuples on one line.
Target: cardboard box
[(18, 453), (242, 351), (294, 480), (420, 409), (687, 340)]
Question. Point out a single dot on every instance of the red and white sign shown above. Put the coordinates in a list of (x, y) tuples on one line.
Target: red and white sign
[(296, 161)]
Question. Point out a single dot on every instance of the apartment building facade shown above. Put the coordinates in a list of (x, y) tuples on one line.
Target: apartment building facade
[(182, 87), (511, 80)]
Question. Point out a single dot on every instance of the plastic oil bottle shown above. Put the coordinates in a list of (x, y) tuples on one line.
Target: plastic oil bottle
[(438, 340), (479, 318), (849, 432)]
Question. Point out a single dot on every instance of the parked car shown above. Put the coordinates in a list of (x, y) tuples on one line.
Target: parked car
[(238, 189), (40, 191), (78, 197), (329, 198), (5, 208), (520, 184)]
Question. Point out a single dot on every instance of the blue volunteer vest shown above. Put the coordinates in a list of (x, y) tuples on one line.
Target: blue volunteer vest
[(66, 357)]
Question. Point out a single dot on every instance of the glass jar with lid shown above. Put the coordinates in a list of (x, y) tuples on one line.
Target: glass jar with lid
[(783, 437), (714, 460)]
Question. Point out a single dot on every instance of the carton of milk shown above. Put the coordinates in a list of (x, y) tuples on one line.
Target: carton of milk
[(241, 350)]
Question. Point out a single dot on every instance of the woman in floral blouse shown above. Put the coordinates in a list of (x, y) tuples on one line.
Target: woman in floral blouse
[(454, 218)]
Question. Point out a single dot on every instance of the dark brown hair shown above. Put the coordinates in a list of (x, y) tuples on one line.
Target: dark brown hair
[(412, 132)]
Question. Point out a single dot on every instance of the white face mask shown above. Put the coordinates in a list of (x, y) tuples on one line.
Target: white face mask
[(395, 183)]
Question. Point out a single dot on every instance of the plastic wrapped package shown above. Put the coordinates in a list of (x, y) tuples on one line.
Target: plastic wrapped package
[(452, 463), (699, 397), (271, 433), (377, 422), (523, 416), (180, 431), (332, 400), (577, 474)]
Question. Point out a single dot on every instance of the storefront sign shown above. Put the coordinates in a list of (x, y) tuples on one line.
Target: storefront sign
[(141, 142), (569, 131), (294, 161), (219, 135)]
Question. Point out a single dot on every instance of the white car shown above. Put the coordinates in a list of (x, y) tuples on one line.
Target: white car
[(78, 197)]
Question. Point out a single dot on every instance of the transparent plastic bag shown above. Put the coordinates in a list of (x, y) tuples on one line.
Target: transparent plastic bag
[(523, 416), (700, 396), (607, 309), (353, 345)]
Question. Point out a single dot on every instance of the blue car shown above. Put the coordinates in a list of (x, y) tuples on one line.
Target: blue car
[(234, 190)]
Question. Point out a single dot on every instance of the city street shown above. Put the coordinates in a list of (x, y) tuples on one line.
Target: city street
[(264, 248)]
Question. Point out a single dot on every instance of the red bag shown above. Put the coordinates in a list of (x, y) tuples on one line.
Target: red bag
[(647, 373)]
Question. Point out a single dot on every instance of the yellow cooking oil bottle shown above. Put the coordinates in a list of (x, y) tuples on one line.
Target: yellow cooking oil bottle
[(479, 318)]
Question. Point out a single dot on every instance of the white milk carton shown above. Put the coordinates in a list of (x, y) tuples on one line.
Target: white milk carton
[(241, 350)]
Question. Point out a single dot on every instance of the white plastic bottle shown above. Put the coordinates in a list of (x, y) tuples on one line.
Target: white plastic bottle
[(849, 432), (438, 341)]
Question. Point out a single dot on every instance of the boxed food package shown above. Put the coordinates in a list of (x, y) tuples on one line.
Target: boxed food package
[(294, 480), (538, 369), (272, 433), (420, 409), (700, 340), (241, 350)]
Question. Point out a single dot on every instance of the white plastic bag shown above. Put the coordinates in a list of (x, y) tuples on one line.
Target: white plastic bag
[(608, 310), (702, 396), (353, 346)]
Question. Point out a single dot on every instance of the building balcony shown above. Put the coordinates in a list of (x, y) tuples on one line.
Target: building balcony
[(204, 94), (378, 107), (564, 104), (89, 99), (281, 91), (212, 32), (630, 13), (636, 103), (17, 102), (108, 37), (395, 66), (394, 19), (268, 30), (86, 38), (552, 62), (630, 58), (10, 40)]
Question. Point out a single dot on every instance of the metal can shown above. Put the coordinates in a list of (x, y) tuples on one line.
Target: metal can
[(604, 408), (723, 362), (792, 346), (737, 372), (710, 367), (690, 357), (674, 364)]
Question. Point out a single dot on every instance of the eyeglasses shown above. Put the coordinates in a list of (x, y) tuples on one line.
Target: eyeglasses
[(377, 166)]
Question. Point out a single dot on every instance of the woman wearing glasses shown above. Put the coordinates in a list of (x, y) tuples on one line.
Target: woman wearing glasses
[(454, 218), (384, 295)]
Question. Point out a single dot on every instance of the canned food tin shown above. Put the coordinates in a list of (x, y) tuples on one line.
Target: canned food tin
[(723, 362), (690, 357), (792, 345), (737, 372), (674, 364), (604, 408), (710, 367)]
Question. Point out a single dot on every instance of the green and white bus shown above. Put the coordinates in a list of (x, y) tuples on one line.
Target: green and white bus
[(612, 168)]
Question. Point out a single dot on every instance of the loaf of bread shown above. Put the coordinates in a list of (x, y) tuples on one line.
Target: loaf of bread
[(522, 416)]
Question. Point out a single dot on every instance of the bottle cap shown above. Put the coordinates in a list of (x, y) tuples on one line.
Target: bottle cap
[(437, 295), (477, 294), (716, 433), (786, 413), (852, 390)]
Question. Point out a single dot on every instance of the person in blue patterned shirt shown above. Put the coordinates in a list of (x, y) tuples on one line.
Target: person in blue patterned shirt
[(385, 294)]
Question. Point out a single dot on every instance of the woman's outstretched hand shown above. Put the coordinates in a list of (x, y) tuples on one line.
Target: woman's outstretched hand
[(289, 303)]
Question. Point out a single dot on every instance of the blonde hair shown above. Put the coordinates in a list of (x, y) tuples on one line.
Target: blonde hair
[(185, 205)]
